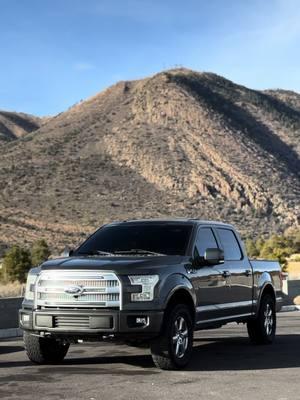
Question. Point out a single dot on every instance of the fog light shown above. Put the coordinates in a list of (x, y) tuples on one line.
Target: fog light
[(134, 321), (141, 321)]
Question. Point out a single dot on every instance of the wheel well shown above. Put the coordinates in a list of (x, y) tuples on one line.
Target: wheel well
[(268, 289), (182, 296)]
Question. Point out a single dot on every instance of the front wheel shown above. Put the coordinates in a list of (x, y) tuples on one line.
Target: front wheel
[(262, 329), (173, 348), (44, 350)]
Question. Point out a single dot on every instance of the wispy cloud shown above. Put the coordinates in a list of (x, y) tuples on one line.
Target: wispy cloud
[(83, 66)]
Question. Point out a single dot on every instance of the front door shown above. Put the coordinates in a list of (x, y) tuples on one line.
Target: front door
[(208, 281)]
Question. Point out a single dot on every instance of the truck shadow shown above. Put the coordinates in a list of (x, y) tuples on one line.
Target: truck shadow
[(236, 353), (218, 354), (210, 354)]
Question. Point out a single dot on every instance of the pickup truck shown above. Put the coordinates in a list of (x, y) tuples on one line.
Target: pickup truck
[(150, 282)]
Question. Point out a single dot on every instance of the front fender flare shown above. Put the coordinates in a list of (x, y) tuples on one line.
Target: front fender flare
[(174, 283)]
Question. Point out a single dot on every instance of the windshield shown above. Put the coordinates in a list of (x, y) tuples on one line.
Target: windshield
[(135, 239)]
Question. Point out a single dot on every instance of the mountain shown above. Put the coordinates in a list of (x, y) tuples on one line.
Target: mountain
[(291, 99), (179, 143), (14, 125)]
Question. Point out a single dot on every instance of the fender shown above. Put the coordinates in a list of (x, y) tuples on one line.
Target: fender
[(172, 284), (265, 280)]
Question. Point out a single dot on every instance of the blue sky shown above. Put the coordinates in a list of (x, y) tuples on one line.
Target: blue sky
[(57, 52)]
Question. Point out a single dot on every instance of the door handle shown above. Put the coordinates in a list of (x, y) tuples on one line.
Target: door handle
[(248, 272), (226, 274)]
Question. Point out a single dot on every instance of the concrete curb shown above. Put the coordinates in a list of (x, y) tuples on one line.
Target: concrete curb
[(10, 333), (292, 307)]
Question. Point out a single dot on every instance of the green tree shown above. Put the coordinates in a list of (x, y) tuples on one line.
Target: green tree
[(39, 252), (251, 248), (277, 247), (16, 263), (294, 237), (259, 244)]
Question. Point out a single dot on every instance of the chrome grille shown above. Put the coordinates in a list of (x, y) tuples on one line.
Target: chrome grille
[(88, 283), (96, 289)]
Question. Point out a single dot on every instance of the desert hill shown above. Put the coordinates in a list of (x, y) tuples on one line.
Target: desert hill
[(180, 143), (14, 125), (288, 97)]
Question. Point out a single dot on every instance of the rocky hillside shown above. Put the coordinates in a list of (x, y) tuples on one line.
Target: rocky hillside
[(180, 143), (291, 99), (15, 125)]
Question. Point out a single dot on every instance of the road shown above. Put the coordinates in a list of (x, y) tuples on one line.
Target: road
[(224, 366)]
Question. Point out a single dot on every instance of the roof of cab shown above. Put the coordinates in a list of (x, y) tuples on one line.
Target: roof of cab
[(172, 220)]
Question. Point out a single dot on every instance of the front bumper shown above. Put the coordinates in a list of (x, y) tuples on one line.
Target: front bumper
[(91, 322)]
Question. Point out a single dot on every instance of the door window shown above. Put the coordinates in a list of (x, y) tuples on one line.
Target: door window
[(230, 245), (205, 239)]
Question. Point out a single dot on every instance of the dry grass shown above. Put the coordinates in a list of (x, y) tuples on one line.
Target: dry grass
[(293, 268), (12, 289), (297, 300)]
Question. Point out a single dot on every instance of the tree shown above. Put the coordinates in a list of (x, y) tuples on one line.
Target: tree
[(39, 252), (294, 236), (16, 263), (277, 247), (251, 248), (259, 244)]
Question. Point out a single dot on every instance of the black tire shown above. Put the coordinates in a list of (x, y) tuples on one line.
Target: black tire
[(262, 329), (43, 350), (168, 352)]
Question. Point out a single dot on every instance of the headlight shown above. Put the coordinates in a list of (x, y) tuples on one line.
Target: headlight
[(147, 282), (29, 291)]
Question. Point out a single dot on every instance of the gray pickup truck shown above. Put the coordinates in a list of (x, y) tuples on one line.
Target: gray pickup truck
[(150, 282)]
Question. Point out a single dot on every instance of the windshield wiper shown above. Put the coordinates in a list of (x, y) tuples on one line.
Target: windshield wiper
[(139, 251), (104, 253), (96, 253)]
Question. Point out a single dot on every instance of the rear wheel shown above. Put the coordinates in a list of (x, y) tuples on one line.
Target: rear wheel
[(262, 329), (44, 350), (173, 348)]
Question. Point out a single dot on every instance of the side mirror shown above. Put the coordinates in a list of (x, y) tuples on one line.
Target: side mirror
[(67, 252), (213, 256)]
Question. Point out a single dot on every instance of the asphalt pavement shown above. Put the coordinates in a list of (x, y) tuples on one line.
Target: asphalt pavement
[(224, 366)]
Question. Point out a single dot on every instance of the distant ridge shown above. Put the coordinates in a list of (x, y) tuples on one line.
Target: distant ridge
[(14, 125)]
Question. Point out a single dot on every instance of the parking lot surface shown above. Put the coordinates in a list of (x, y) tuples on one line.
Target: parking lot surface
[(224, 366)]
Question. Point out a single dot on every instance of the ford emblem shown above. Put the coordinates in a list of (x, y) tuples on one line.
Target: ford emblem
[(74, 290)]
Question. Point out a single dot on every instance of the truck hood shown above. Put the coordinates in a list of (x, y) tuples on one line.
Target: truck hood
[(119, 265)]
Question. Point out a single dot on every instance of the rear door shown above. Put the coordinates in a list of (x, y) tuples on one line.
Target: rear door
[(238, 274)]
